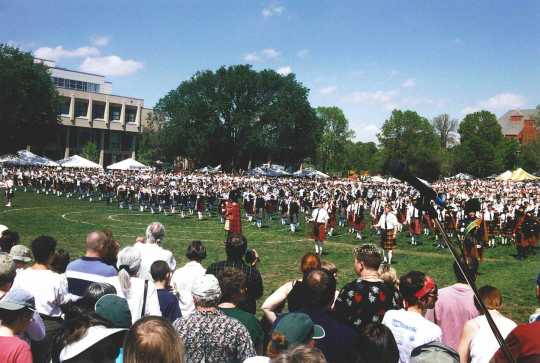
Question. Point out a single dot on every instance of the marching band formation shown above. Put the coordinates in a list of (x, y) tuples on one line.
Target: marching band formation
[(481, 213)]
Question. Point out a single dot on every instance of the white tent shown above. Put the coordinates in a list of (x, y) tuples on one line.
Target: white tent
[(128, 164), (460, 176), (209, 169), (77, 161), (505, 176), (521, 175), (27, 158), (310, 173)]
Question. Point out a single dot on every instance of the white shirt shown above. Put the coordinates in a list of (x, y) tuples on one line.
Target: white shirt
[(389, 220), (410, 330), (484, 345), (135, 297), (150, 253), (182, 280), (320, 214), (49, 289)]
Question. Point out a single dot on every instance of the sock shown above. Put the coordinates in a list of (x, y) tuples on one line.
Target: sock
[(317, 247), (390, 257)]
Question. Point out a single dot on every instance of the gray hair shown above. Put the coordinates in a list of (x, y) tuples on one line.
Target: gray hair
[(128, 263), (155, 233)]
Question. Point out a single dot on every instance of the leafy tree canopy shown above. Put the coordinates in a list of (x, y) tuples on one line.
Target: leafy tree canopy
[(28, 101)]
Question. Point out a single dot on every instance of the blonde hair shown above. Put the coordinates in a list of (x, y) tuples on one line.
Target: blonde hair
[(388, 274)]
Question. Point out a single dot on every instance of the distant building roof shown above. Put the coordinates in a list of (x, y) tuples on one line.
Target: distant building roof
[(514, 128)]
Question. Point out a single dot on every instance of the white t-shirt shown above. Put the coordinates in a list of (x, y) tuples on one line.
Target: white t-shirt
[(182, 280), (135, 297), (49, 289), (150, 253), (410, 330), (484, 345), (320, 214)]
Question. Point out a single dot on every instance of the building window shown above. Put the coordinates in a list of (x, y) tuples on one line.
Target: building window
[(116, 141), (98, 111), (81, 108), (76, 85), (64, 106), (114, 114), (131, 114)]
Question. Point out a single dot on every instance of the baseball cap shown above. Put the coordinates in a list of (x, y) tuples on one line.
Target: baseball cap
[(20, 253), (3, 228), (206, 287), (7, 265), (94, 335), (298, 327), (18, 299), (115, 309)]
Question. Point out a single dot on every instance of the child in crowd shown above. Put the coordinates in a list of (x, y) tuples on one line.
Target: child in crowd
[(168, 302), (15, 317)]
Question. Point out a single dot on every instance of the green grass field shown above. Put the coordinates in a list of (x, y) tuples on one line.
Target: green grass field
[(69, 220)]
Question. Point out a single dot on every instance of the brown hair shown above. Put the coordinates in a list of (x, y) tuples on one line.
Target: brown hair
[(301, 354), (490, 296), (152, 339), (329, 266), (277, 344), (310, 261), (231, 283), (368, 254)]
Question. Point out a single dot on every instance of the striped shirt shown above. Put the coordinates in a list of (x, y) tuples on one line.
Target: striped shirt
[(86, 270)]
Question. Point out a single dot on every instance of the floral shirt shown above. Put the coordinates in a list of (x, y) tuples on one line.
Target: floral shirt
[(361, 302), (213, 337)]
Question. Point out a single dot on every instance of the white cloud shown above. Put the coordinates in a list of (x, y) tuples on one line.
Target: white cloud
[(409, 83), (267, 54), (385, 98), (59, 52), (272, 10), (328, 90), (284, 71), (110, 66), (367, 133), (303, 53), (100, 40), (499, 102)]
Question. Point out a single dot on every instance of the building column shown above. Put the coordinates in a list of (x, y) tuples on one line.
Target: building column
[(138, 117), (102, 148), (89, 110), (106, 112), (72, 108), (133, 146), (123, 114), (66, 152)]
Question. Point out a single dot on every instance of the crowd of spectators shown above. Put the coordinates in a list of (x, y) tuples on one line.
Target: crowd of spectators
[(134, 305)]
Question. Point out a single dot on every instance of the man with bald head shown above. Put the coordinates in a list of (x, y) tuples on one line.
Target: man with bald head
[(91, 267)]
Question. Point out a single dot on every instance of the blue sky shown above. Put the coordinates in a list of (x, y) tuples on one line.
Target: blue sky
[(365, 57)]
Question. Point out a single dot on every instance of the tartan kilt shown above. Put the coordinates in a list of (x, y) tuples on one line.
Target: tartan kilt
[(414, 227), (359, 226), (319, 232), (388, 241)]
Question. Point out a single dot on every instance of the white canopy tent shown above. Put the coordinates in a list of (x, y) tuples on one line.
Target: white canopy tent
[(461, 176), (27, 158), (77, 161), (504, 176), (310, 173), (128, 164), (209, 169)]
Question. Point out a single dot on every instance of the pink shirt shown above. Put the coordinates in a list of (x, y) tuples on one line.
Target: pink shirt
[(454, 307), (14, 350)]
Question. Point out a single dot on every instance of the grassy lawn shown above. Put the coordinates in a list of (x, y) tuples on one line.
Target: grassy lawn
[(69, 220)]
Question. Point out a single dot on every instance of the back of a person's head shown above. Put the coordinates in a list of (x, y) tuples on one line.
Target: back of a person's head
[(8, 269), (310, 261), (59, 261), (159, 270), (196, 251), (153, 340), (8, 239), (95, 241), (320, 288), (490, 296), (329, 266), (369, 255), (43, 248), (155, 233), (128, 263), (301, 354), (235, 246), (231, 282), (376, 343), (470, 265), (388, 274), (410, 284)]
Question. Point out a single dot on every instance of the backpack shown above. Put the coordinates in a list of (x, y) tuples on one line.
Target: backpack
[(434, 352)]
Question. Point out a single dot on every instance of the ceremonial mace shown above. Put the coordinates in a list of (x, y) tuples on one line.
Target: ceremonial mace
[(399, 170)]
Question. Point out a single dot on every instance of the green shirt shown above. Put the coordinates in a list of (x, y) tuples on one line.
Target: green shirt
[(249, 321)]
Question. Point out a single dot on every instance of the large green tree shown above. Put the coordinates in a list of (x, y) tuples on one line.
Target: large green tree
[(361, 156), (409, 137), (483, 150), (331, 152), (28, 101), (529, 156), (236, 115)]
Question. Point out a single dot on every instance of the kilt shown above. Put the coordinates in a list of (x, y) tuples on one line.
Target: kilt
[(388, 241), (359, 226), (414, 227), (319, 232)]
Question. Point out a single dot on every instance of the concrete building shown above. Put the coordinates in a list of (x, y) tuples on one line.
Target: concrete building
[(89, 112), (519, 125)]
